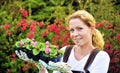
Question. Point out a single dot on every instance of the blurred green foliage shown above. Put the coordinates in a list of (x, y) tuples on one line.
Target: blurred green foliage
[(47, 11)]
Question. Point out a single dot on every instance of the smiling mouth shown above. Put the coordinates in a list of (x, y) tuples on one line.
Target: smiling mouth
[(77, 38)]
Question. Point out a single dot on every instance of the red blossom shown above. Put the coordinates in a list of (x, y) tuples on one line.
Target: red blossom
[(110, 26), (118, 37), (62, 27), (6, 26), (115, 59), (41, 24), (8, 32), (44, 33), (25, 68), (33, 26), (111, 46), (112, 67), (99, 25), (52, 27), (23, 12), (110, 52), (30, 35), (13, 57), (56, 38), (23, 28), (23, 24), (57, 31), (106, 45), (113, 30), (23, 21), (19, 24)]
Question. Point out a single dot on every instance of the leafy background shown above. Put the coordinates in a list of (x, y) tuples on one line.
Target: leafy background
[(44, 20)]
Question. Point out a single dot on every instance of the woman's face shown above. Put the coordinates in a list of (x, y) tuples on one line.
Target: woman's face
[(80, 33)]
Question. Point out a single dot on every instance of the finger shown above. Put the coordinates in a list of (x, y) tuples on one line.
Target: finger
[(25, 56), (18, 54)]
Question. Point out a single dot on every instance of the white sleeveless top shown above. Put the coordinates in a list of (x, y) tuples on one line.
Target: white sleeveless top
[(99, 65)]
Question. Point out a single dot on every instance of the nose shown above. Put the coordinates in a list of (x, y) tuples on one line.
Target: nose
[(75, 33)]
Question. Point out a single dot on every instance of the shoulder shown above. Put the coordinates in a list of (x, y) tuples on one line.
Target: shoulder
[(102, 56), (100, 63), (63, 48)]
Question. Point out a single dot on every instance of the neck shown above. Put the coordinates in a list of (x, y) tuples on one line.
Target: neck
[(84, 50)]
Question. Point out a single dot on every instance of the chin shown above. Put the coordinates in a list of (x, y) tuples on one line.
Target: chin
[(79, 44)]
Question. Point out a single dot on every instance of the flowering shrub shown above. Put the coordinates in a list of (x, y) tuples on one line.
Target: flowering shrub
[(36, 47), (24, 27), (112, 42), (57, 34)]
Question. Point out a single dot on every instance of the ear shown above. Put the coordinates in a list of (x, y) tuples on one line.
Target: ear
[(92, 29)]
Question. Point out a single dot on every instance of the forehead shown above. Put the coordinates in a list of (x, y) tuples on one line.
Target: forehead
[(76, 22)]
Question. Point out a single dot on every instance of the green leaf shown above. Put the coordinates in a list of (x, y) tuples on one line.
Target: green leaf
[(28, 47), (35, 51), (17, 44)]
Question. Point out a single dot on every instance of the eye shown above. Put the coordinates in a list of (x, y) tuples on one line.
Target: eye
[(79, 28), (71, 30)]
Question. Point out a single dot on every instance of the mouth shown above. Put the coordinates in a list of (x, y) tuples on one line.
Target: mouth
[(77, 39)]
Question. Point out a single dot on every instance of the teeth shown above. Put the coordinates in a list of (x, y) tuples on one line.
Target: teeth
[(77, 38)]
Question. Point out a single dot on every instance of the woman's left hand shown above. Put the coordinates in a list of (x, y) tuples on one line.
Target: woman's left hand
[(44, 70)]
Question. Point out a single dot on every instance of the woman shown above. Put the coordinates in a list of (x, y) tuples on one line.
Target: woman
[(86, 38)]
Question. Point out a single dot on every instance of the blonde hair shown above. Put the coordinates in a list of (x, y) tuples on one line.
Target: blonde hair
[(97, 38)]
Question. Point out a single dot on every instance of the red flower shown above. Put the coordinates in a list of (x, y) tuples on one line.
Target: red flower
[(41, 24), (33, 26), (23, 28), (110, 26), (25, 13), (62, 27), (13, 57), (52, 27), (6, 26), (56, 38), (113, 30), (21, 10), (25, 68), (8, 32), (23, 21), (115, 59), (106, 45), (19, 24), (57, 31), (31, 35), (99, 25), (118, 36), (45, 33)]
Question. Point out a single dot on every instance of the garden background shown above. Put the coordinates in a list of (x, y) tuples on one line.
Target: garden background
[(45, 20)]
